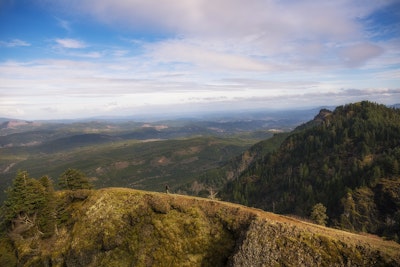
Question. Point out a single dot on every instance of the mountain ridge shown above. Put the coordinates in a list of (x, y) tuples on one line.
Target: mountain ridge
[(121, 227), (347, 159)]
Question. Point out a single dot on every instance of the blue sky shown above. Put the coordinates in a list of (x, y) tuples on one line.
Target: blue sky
[(82, 58)]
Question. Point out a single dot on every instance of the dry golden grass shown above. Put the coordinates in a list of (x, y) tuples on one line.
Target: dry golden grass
[(375, 242), (125, 227)]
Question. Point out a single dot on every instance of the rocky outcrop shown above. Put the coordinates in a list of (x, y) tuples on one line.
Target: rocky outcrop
[(275, 244)]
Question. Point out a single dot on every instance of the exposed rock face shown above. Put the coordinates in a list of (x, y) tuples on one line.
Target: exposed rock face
[(124, 227), (271, 244)]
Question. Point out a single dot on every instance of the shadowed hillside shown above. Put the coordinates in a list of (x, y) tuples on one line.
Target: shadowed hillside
[(347, 159), (125, 227)]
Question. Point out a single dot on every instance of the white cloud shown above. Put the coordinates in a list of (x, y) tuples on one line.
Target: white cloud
[(255, 34), (70, 43), (180, 51), (357, 54), (66, 25), (93, 54), (229, 17), (14, 43), (83, 88), (261, 52), (234, 18), (119, 52)]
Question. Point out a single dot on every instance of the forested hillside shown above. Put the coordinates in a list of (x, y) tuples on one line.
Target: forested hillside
[(347, 159), (209, 183)]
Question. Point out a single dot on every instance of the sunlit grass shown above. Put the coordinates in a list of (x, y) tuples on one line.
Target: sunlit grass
[(125, 227)]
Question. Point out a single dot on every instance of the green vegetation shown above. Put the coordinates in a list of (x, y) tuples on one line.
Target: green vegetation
[(125, 227), (340, 169), (135, 154), (139, 164), (73, 179), (214, 180), (29, 208), (318, 214), (348, 160)]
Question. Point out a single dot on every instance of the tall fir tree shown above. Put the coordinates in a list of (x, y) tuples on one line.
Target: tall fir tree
[(30, 204), (73, 179), (47, 218)]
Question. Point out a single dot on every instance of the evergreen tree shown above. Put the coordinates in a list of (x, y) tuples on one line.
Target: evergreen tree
[(25, 196), (29, 205), (73, 179), (47, 183), (318, 214), (47, 218), (15, 202)]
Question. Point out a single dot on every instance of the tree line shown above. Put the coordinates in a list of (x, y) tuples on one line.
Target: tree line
[(31, 209)]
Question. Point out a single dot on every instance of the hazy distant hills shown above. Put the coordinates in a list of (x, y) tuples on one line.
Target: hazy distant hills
[(395, 106), (108, 161), (54, 136), (146, 155)]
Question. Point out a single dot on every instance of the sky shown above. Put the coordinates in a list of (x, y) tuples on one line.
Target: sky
[(63, 59)]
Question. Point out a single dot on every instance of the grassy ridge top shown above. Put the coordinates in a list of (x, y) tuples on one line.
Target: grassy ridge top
[(126, 227)]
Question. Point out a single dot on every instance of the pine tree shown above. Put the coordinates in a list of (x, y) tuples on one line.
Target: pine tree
[(16, 196), (349, 210), (73, 179), (318, 214), (47, 218), (26, 202)]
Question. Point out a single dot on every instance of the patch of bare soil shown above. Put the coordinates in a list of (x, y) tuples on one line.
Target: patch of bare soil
[(121, 165)]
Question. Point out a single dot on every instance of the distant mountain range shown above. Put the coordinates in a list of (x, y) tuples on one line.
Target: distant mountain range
[(395, 106), (137, 154)]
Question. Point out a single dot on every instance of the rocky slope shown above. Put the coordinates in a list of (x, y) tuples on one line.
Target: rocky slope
[(126, 227)]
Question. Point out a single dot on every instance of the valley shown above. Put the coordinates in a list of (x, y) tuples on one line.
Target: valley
[(143, 155), (339, 168)]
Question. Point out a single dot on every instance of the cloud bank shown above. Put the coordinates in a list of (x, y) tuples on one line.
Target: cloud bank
[(234, 53), (304, 33)]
